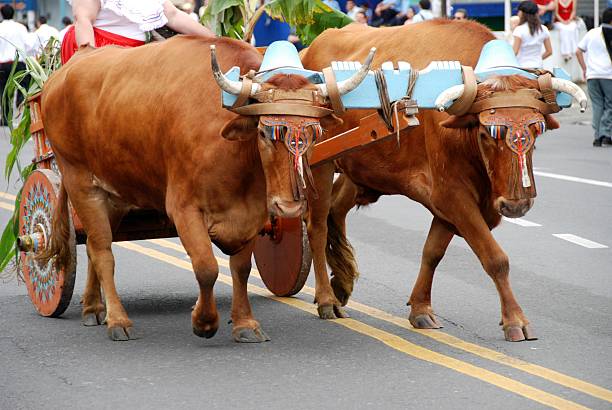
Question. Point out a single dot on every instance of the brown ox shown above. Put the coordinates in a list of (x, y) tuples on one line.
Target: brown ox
[(142, 128), (463, 176)]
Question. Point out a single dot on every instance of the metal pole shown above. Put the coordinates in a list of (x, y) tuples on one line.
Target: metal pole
[(507, 15), (595, 13)]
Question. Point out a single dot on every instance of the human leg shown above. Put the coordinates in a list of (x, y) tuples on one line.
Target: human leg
[(596, 95), (605, 122)]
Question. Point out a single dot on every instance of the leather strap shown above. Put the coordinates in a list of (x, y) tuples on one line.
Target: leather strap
[(463, 104), (245, 92), (332, 91), (283, 109), (276, 95), (550, 96), (520, 98)]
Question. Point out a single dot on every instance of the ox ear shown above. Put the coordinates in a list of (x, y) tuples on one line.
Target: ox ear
[(463, 121), (551, 122), (241, 128)]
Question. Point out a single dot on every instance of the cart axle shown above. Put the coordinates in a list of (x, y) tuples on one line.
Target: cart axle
[(33, 242)]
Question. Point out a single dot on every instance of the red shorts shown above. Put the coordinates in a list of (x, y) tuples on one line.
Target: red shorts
[(102, 38)]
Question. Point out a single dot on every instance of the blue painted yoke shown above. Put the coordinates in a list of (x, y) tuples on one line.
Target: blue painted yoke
[(497, 58)]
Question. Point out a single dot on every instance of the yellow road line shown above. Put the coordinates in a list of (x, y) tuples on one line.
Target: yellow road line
[(8, 207), (445, 338), (441, 337), (387, 338), (6, 195)]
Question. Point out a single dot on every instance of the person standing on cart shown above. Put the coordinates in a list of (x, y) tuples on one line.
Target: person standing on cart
[(123, 22)]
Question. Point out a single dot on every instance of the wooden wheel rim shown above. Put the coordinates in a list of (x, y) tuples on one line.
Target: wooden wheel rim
[(284, 262), (50, 290)]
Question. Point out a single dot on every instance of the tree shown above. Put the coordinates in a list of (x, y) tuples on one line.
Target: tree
[(237, 18)]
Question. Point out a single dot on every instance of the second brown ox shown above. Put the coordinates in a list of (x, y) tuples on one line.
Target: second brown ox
[(451, 165)]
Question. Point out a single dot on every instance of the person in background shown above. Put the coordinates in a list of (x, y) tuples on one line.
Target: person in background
[(546, 10), (103, 22), (425, 12), (530, 36), (403, 10), (460, 14), (595, 58), (410, 13), (188, 8), (565, 23), (384, 13), (514, 22), (352, 9), (67, 22), (44, 32), (361, 18), (13, 37)]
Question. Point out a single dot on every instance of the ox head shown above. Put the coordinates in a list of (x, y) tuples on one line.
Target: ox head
[(506, 117), (288, 116)]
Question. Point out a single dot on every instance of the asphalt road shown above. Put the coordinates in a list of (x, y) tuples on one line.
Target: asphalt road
[(375, 359)]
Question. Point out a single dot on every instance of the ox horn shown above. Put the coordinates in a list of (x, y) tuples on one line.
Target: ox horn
[(448, 95), (559, 84), (348, 85), (227, 85)]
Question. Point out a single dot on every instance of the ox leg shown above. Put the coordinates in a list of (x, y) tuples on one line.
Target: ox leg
[(245, 328), (339, 252), (191, 227), (92, 206), (495, 262), (327, 304), (94, 311), (421, 313), (93, 307)]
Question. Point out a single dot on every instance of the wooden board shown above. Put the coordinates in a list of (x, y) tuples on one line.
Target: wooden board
[(283, 256)]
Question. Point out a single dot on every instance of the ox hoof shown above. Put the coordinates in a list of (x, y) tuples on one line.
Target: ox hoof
[(424, 322), (207, 332), (341, 294), (329, 312), (93, 319), (340, 312), (518, 333), (248, 335), (326, 312), (120, 334)]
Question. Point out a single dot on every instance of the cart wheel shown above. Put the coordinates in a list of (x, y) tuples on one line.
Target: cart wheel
[(50, 290), (282, 255)]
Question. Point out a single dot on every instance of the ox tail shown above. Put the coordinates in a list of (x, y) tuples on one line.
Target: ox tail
[(341, 259), (58, 242)]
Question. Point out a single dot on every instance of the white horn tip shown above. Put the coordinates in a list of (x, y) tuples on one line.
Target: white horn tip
[(583, 106)]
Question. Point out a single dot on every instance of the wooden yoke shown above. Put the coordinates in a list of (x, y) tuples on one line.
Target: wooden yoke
[(371, 129)]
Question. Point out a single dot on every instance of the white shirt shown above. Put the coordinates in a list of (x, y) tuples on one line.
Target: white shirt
[(130, 18), (530, 53), (13, 34), (422, 16), (596, 55), (62, 33), (43, 34)]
